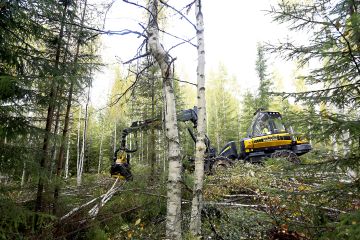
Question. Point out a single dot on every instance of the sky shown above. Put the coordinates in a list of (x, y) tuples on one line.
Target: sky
[(232, 31)]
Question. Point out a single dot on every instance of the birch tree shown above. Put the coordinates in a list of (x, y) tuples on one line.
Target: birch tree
[(67, 158), (80, 163), (173, 216), (197, 202), (78, 137), (100, 149)]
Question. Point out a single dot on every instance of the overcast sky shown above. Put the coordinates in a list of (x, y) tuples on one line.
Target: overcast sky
[(232, 30)]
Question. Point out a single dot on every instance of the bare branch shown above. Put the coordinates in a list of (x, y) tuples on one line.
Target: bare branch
[(178, 80), (174, 36), (236, 204), (180, 13), (137, 57), (99, 31), (131, 86), (188, 7), (140, 6), (180, 44)]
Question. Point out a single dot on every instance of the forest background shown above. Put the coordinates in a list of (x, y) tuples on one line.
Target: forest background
[(57, 145)]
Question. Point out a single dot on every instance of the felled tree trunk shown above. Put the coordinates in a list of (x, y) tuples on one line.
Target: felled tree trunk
[(197, 202), (173, 217)]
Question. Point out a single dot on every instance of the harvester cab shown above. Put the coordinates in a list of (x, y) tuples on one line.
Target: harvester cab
[(269, 137)]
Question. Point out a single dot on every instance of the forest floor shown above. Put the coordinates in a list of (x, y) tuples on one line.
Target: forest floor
[(273, 200)]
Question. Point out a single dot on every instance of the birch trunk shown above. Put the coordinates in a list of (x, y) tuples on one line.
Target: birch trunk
[(114, 137), (23, 175), (141, 153), (56, 133), (80, 165), (152, 131), (197, 202), (100, 151), (173, 216), (67, 158), (78, 138)]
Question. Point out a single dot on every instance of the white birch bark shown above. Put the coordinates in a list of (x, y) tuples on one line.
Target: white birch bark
[(130, 140), (95, 209), (197, 202), (67, 158), (147, 149), (141, 154), (217, 129), (100, 150), (173, 216), (115, 136), (80, 165), (53, 158), (23, 175), (159, 149), (140, 146), (78, 138), (105, 198)]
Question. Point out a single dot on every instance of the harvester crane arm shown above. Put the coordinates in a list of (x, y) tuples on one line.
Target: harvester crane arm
[(121, 165)]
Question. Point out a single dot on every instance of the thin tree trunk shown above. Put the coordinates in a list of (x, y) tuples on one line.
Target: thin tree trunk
[(159, 148), (100, 151), (67, 158), (142, 148), (78, 138), (217, 131), (56, 133), (80, 165), (60, 159), (114, 137), (49, 120), (197, 202), (23, 175), (147, 148), (173, 217), (152, 131), (130, 141)]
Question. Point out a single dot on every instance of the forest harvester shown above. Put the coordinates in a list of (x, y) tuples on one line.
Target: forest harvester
[(267, 137)]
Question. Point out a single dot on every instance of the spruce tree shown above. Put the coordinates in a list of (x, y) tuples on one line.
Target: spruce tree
[(263, 97), (331, 54), (334, 43)]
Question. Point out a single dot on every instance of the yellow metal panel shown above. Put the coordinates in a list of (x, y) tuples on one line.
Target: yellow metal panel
[(248, 143), (272, 140), (118, 176), (121, 157)]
